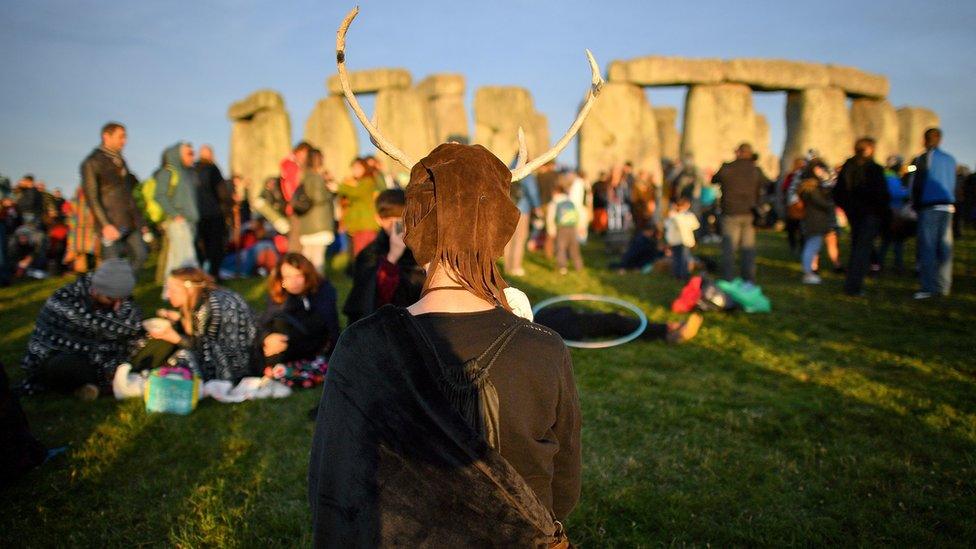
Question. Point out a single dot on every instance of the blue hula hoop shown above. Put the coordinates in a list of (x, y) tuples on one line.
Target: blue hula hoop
[(603, 299)]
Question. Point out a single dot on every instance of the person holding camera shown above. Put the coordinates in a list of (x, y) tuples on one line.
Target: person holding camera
[(385, 271)]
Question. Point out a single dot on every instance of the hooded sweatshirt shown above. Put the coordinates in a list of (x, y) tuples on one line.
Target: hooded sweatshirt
[(181, 199)]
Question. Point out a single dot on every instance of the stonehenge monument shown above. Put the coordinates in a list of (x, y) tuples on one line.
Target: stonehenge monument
[(260, 136), (827, 107)]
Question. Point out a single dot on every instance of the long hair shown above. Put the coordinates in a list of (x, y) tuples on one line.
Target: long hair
[(197, 283), (312, 278)]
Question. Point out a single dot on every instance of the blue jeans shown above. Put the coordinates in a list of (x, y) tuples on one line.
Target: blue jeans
[(679, 262), (811, 249), (935, 250)]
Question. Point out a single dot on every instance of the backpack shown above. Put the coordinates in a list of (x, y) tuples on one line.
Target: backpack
[(566, 214), (145, 195)]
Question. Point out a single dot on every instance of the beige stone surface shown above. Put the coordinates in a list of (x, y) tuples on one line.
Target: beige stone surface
[(330, 128), (257, 101), (818, 118), (768, 161), (858, 83), (876, 118), (260, 138), (621, 127), (912, 123), (655, 70), (402, 117), (669, 140), (717, 119), (498, 113), (371, 81), (776, 74), (445, 105)]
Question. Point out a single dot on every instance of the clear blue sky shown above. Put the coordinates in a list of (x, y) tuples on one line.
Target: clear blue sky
[(168, 70)]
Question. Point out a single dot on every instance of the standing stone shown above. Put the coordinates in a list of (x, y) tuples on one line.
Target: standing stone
[(876, 118), (912, 123), (445, 105), (401, 116), (717, 119), (498, 113), (260, 138), (768, 161), (331, 129), (667, 132), (621, 127), (817, 118)]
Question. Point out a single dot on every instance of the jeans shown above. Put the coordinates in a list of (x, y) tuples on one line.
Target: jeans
[(935, 250), (811, 249), (131, 247), (864, 229), (738, 234), (679, 262)]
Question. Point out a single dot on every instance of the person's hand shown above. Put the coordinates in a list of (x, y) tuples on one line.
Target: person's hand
[(110, 232), (179, 218), (275, 344), (169, 315), (167, 334), (397, 247)]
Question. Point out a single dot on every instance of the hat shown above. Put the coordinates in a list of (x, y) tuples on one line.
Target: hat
[(114, 278), (459, 212)]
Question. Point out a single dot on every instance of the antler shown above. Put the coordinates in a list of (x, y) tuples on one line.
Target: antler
[(523, 154), (375, 136), (521, 170)]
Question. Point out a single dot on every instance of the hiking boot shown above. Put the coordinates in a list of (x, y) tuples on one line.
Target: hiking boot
[(87, 392)]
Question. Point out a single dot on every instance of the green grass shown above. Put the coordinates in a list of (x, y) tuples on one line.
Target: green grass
[(832, 420)]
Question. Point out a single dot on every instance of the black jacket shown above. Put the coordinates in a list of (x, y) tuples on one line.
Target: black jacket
[(862, 189), (213, 194), (362, 297), (742, 185), (819, 206), (108, 186)]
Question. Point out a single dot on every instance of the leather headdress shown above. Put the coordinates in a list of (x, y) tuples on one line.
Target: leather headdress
[(459, 214)]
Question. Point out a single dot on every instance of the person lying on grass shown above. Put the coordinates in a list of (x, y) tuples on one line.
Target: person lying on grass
[(83, 332), (575, 325)]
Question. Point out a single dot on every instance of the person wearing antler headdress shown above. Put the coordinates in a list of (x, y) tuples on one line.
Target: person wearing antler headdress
[(451, 422)]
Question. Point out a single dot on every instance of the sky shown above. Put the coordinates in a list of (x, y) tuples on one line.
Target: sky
[(169, 70)]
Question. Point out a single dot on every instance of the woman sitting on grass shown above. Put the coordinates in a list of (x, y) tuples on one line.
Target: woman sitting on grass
[(213, 326), (300, 325)]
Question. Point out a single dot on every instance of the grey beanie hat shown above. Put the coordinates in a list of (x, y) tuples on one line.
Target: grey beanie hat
[(114, 278)]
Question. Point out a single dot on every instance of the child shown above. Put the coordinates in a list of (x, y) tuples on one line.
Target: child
[(679, 232), (562, 217)]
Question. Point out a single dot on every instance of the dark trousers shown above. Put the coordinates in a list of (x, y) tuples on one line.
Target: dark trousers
[(67, 372), (567, 243), (864, 230), (738, 234), (131, 247), (212, 238)]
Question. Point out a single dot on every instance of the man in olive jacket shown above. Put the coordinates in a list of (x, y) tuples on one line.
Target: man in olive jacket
[(108, 186), (742, 183)]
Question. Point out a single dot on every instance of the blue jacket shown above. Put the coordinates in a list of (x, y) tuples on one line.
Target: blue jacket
[(898, 192), (530, 195), (934, 184)]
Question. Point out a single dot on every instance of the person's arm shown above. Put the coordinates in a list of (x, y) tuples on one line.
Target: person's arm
[(551, 218), (566, 480), (89, 182), (717, 178)]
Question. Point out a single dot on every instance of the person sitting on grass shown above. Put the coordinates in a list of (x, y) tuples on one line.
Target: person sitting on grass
[(213, 325), (643, 250), (679, 233), (385, 271), (575, 325), (300, 325), (85, 329)]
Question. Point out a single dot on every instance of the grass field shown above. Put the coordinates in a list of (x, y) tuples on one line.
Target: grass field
[(832, 420)]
